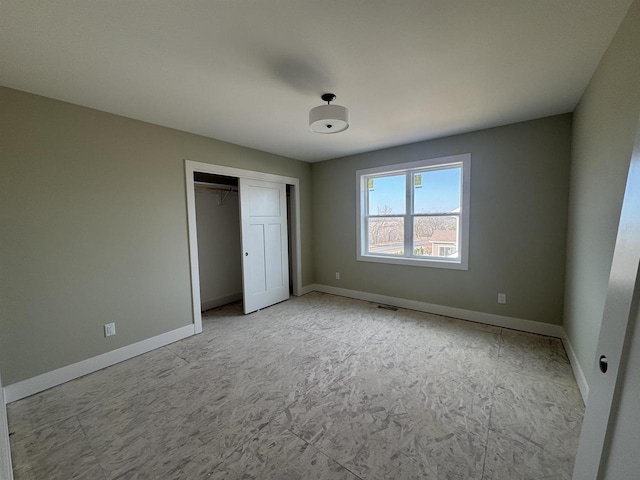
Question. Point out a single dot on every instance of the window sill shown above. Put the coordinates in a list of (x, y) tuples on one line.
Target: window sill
[(415, 262)]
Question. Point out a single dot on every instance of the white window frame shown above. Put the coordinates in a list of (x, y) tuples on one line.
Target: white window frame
[(460, 263)]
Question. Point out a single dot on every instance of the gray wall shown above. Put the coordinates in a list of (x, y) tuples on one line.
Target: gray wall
[(94, 229), (603, 134), (219, 261), (519, 188)]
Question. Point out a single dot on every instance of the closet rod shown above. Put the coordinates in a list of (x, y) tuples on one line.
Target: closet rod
[(216, 186)]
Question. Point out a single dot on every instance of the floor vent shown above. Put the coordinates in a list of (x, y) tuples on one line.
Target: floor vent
[(388, 307)]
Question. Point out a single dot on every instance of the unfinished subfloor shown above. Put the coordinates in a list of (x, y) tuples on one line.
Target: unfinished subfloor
[(318, 387)]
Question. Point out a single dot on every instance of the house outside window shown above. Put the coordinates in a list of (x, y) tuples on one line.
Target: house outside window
[(415, 213)]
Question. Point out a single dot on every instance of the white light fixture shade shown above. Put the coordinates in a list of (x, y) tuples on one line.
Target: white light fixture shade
[(329, 119)]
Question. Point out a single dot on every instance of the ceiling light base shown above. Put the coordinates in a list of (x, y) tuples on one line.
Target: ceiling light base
[(328, 97)]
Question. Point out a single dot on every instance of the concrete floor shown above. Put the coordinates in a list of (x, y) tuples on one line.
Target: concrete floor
[(318, 387)]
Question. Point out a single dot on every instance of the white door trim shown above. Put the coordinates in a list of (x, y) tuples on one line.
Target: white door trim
[(192, 167)]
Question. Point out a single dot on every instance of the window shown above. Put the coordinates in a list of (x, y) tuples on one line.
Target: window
[(415, 213)]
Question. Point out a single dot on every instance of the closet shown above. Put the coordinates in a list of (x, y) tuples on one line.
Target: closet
[(219, 245), (244, 250)]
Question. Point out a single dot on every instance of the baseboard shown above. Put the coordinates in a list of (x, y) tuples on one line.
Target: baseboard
[(307, 289), (480, 317), (581, 380), (217, 302), (31, 386), (6, 472)]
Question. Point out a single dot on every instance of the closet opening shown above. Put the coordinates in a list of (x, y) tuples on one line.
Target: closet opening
[(219, 248), (226, 208)]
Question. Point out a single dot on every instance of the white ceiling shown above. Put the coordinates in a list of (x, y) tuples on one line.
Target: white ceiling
[(248, 71)]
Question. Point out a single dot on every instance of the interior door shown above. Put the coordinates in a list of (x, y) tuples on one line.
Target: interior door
[(606, 390), (265, 260)]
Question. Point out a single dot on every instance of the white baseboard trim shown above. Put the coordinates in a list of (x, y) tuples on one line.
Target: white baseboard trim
[(307, 289), (479, 317), (33, 385), (217, 302), (578, 372), (6, 472)]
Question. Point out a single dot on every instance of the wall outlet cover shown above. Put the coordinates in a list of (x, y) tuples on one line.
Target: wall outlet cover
[(109, 329), (502, 298)]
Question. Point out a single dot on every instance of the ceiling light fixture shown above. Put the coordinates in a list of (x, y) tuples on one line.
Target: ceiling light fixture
[(329, 118)]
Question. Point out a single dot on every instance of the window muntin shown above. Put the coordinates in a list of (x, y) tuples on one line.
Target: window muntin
[(415, 214)]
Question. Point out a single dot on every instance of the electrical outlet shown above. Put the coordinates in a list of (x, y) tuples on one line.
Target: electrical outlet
[(109, 329), (337, 275), (502, 298)]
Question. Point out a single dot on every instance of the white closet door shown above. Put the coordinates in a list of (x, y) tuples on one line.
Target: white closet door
[(265, 260)]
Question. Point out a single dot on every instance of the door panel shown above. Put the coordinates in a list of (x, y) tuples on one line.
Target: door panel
[(265, 269), (255, 281), (264, 202), (274, 273)]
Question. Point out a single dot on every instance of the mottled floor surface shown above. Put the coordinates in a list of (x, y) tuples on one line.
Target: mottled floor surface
[(318, 387)]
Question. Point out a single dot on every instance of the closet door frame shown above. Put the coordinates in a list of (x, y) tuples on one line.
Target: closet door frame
[(192, 167)]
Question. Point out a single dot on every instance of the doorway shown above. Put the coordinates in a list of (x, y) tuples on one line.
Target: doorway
[(196, 172)]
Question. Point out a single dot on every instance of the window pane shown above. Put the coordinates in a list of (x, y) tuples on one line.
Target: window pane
[(435, 237), (386, 235), (437, 191), (387, 195)]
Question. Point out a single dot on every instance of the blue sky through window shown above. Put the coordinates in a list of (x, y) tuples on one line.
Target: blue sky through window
[(440, 192), (388, 192)]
